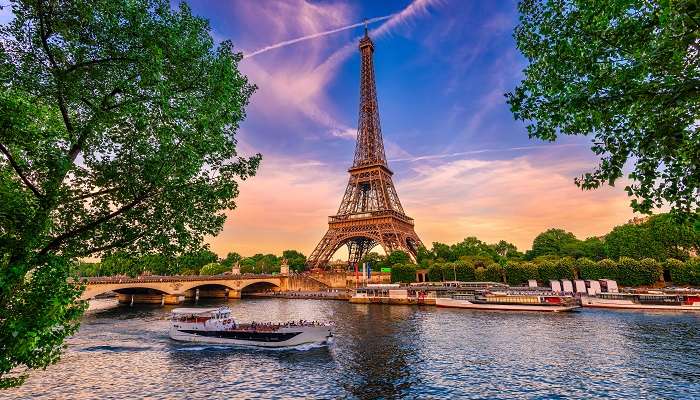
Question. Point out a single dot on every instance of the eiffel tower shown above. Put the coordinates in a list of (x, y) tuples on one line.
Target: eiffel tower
[(370, 213)]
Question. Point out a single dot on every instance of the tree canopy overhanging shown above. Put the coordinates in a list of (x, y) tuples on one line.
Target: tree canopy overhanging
[(626, 72), (117, 132)]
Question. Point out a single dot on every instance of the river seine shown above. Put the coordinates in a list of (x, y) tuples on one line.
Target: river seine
[(123, 352)]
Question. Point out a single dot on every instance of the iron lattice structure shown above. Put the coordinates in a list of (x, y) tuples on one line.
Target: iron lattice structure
[(370, 213)]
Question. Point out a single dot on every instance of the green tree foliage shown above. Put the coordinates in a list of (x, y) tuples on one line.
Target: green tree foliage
[(248, 266), (676, 237), (588, 269), (36, 322), (633, 241), (565, 268), (231, 258), (213, 269), (493, 273), (424, 256), (436, 273), (117, 131), (506, 250), (295, 260), (546, 271), (376, 260), (627, 73), (158, 264), (518, 273), (193, 261), (464, 271), (608, 268), (684, 273), (592, 248), (631, 272), (120, 263), (552, 242), (404, 273), (398, 257)]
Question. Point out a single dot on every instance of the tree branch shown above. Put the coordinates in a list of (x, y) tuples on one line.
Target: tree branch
[(89, 195), (96, 62), (56, 242), (19, 172), (116, 243)]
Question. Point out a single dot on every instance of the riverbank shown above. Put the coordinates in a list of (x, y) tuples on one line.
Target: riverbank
[(339, 294)]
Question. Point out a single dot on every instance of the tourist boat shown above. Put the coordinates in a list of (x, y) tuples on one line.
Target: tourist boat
[(509, 301), (216, 326), (646, 300)]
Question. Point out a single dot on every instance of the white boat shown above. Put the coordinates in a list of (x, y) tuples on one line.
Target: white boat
[(216, 326), (649, 300), (509, 301)]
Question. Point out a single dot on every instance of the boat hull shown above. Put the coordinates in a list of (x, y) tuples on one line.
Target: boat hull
[(593, 302), (447, 302), (296, 337)]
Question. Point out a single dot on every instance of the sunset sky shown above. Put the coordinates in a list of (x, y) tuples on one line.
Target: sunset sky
[(463, 166)]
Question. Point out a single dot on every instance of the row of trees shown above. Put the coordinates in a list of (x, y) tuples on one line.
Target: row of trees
[(660, 237), (203, 262), (626, 271)]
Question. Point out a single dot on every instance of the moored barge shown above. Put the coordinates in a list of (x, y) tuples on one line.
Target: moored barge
[(509, 301), (646, 300)]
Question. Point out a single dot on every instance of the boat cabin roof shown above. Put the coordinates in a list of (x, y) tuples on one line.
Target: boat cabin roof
[(198, 310)]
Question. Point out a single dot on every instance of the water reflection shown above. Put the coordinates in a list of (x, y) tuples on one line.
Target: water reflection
[(383, 352)]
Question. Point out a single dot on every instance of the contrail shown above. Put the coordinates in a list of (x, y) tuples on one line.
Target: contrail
[(315, 35)]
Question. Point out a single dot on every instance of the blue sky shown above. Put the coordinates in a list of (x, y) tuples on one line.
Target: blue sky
[(463, 166)]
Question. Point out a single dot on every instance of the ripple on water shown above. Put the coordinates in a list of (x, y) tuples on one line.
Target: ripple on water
[(379, 351)]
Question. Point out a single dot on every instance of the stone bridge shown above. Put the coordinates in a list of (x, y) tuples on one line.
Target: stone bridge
[(176, 289)]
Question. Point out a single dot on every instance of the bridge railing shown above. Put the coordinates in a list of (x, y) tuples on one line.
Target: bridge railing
[(171, 278)]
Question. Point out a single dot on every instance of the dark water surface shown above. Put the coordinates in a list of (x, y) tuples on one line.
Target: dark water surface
[(383, 352)]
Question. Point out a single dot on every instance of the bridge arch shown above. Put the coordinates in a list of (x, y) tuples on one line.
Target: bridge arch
[(198, 284), (260, 284), (96, 290)]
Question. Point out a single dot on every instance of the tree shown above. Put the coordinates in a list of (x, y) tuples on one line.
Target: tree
[(376, 260), (627, 73), (193, 261), (398, 257), (552, 242), (117, 131), (443, 252), (295, 260), (231, 258), (213, 269), (404, 273), (506, 250), (631, 240)]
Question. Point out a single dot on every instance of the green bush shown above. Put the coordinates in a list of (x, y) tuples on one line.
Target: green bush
[(564, 269), (650, 272), (607, 269), (679, 271), (547, 270), (693, 265), (588, 269), (463, 270), (685, 273), (493, 273), (404, 273), (631, 272), (435, 272), (518, 273)]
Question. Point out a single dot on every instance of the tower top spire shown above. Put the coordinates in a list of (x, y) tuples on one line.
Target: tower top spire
[(369, 149), (366, 30)]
